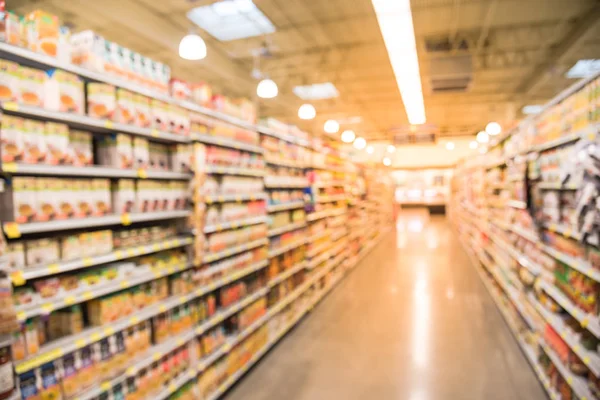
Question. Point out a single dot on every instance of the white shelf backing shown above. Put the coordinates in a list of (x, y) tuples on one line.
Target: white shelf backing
[(92, 222), (92, 124), (218, 170), (286, 206), (90, 335), (226, 142), (239, 197), (20, 276), (209, 258), (235, 224), (91, 171), (287, 228)]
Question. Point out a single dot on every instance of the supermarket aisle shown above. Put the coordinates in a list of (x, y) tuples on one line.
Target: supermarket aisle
[(412, 322)]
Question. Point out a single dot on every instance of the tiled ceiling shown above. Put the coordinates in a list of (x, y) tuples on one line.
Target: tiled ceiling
[(520, 50)]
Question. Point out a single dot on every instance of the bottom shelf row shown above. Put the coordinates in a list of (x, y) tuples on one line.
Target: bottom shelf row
[(189, 361)]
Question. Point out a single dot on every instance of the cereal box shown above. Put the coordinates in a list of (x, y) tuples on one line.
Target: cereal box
[(65, 193), (123, 196), (125, 113), (143, 116), (101, 100), (70, 248), (47, 203), (13, 146), (44, 32), (31, 86), (101, 196), (64, 92), (88, 50), (34, 142), (116, 151), (57, 143), (160, 115), (9, 81), (80, 144), (141, 157)]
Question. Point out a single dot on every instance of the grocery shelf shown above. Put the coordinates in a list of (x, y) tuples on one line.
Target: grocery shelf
[(330, 199), (158, 351), (589, 357), (517, 256), (286, 274), (585, 133), (14, 230), (286, 248), (321, 234), (326, 184), (238, 197), (311, 253), (218, 170), (290, 182), (529, 235), (234, 250), (576, 382), (235, 224), (226, 142), (287, 228), (283, 162), (19, 277), (580, 265), (588, 321), (283, 136), (557, 186), (496, 164), (28, 57), (89, 123), (338, 236), (95, 171), (517, 204), (46, 306), (285, 206), (331, 212)]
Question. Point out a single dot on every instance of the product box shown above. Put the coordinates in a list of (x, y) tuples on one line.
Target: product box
[(141, 155), (125, 113), (15, 255), (101, 197), (70, 248), (57, 143), (124, 196), (10, 28), (180, 89), (63, 92), (9, 81), (143, 116), (42, 251), (34, 141), (48, 202), (19, 199), (13, 146), (202, 93), (31, 86), (80, 144), (43, 32), (116, 151), (88, 50), (160, 115), (181, 157), (83, 194), (143, 196), (66, 193), (101, 100)]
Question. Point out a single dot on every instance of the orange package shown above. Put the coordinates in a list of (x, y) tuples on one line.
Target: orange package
[(44, 31)]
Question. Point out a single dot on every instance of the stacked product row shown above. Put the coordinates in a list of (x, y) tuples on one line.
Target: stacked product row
[(524, 209)]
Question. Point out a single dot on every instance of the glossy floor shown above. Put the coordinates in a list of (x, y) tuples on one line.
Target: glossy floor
[(412, 322)]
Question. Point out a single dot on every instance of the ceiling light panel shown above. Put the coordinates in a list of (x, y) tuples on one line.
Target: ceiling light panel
[(396, 25), (584, 68), (231, 20), (318, 91)]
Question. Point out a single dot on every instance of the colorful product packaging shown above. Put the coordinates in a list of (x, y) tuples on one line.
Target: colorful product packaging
[(101, 100)]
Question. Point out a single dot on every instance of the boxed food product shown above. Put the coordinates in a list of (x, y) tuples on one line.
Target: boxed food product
[(101, 197), (88, 50), (63, 92), (143, 116), (48, 202), (42, 251), (15, 255), (66, 193), (9, 81), (70, 248), (34, 141), (202, 93), (181, 157), (57, 143), (80, 143), (116, 151), (83, 193), (160, 114), (31, 86), (43, 32), (180, 89), (141, 156), (125, 112), (13, 146), (143, 196), (24, 201), (124, 196), (101, 100), (11, 31)]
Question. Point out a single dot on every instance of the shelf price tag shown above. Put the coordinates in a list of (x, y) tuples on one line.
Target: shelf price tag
[(17, 278), (126, 219), (53, 268), (10, 106), (12, 230), (9, 167), (142, 173), (87, 262), (108, 124), (154, 133)]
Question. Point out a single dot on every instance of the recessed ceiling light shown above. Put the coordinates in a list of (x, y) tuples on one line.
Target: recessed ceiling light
[(391, 148), (318, 91), (396, 25), (483, 137), (331, 126), (360, 143), (583, 68), (231, 19), (307, 111), (493, 128), (348, 136)]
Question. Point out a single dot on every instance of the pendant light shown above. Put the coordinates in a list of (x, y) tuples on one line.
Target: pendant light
[(493, 128), (360, 143), (348, 136), (331, 126), (267, 89), (307, 111), (192, 47), (483, 137)]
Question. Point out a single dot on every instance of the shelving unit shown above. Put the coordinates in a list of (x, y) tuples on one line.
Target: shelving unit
[(532, 258)]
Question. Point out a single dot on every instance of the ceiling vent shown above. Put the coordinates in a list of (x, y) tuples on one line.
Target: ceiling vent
[(450, 74)]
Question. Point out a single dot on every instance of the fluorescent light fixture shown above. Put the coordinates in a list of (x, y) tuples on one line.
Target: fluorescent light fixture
[(493, 128), (396, 25), (192, 47), (387, 162), (231, 20), (267, 89), (348, 136), (583, 68), (307, 111), (473, 144), (391, 148), (331, 126), (370, 149), (532, 109), (450, 145), (318, 91), (483, 137), (360, 143)]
